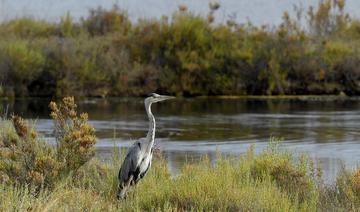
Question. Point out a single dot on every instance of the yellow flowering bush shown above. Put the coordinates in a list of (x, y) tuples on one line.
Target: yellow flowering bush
[(27, 160)]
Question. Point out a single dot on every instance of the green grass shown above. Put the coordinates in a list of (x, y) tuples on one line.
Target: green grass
[(270, 181)]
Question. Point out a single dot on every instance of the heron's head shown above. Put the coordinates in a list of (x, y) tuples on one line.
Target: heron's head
[(154, 97)]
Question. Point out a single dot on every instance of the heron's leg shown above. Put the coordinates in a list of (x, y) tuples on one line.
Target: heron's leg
[(120, 188), (122, 193)]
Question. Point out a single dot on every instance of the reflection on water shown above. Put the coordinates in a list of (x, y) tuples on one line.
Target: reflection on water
[(190, 128)]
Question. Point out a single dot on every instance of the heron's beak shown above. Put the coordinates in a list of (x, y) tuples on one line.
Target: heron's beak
[(164, 97)]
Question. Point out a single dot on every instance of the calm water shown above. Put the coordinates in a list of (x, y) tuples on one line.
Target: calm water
[(190, 128), (258, 11)]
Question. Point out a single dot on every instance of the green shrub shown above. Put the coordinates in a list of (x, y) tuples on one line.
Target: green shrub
[(101, 21), (67, 26), (27, 160), (75, 137), (329, 19), (25, 62), (289, 176), (348, 189), (24, 158), (22, 64), (84, 76), (26, 28)]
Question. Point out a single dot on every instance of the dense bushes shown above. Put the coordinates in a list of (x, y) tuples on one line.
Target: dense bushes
[(24, 159), (107, 55)]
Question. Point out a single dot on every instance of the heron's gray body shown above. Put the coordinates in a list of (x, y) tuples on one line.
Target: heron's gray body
[(138, 158), (136, 163)]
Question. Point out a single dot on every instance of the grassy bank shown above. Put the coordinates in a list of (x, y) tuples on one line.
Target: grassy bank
[(270, 181), (105, 54), (37, 177)]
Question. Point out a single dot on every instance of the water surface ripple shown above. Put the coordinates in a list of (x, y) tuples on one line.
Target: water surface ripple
[(190, 128)]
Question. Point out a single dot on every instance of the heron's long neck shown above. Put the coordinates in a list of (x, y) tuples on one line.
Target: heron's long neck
[(151, 133)]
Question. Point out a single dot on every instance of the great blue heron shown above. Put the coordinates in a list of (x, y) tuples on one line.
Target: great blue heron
[(138, 159)]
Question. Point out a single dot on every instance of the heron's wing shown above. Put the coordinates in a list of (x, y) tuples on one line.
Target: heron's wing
[(130, 163)]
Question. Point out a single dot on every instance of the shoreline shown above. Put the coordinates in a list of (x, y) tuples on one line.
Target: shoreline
[(245, 97)]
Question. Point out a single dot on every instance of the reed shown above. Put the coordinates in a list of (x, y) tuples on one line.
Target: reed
[(273, 180)]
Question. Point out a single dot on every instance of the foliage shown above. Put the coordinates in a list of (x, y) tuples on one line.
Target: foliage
[(348, 185), (101, 21), (290, 177), (75, 137), (21, 64), (232, 184), (105, 54), (27, 160), (329, 18), (26, 28)]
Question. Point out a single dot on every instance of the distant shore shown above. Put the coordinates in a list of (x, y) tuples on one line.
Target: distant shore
[(255, 97), (107, 54)]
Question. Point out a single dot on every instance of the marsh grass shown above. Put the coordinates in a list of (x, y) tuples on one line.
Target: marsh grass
[(36, 177), (236, 183)]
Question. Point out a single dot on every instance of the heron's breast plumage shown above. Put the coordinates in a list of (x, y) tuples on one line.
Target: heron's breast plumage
[(145, 163)]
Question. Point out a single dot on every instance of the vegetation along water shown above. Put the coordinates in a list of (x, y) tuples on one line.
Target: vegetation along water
[(106, 54), (35, 176)]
